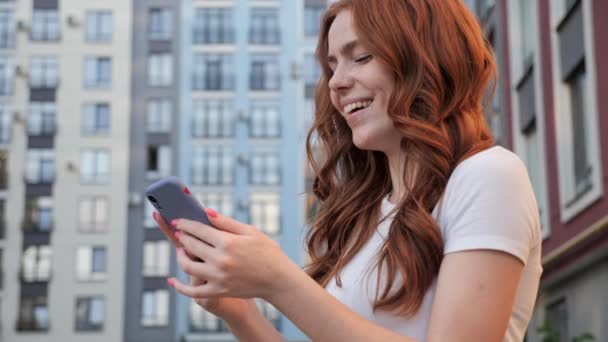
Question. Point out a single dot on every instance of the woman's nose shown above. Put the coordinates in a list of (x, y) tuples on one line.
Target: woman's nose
[(341, 79)]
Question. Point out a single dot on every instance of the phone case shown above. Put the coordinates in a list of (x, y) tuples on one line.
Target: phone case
[(174, 201)]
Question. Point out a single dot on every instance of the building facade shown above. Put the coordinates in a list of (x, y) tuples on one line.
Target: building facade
[(552, 77), (99, 100), (65, 70)]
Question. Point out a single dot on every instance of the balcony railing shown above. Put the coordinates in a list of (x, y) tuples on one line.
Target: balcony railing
[(37, 227), (32, 325)]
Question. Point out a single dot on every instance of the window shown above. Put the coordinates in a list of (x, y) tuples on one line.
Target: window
[(33, 314), (264, 26), (96, 119), (91, 263), (98, 72), (43, 72), (90, 313), (264, 73), (3, 186), (313, 11), (160, 70), (312, 75), (265, 120), (7, 29), (36, 264), (212, 72), (156, 258), (40, 167), (557, 319), (582, 182), (95, 166), (265, 168), (526, 12), (6, 75), (212, 165), (6, 123), (264, 212), (204, 321), (158, 115), (93, 214), (577, 110), (99, 26), (159, 161), (148, 219), (160, 24), (38, 214), (212, 118), (213, 26), (219, 201), (45, 24), (155, 308), (3, 175), (41, 119)]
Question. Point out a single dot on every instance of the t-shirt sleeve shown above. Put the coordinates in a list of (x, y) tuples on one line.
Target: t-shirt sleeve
[(489, 204)]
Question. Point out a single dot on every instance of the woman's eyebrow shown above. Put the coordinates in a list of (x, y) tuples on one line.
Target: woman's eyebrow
[(346, 49)]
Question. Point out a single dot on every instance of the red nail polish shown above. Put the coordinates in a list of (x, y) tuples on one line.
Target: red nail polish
[(174, 223), (171, 282), (212, 213), (177, 235)]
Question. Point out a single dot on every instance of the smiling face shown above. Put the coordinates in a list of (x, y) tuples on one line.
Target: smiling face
[(360, 88)]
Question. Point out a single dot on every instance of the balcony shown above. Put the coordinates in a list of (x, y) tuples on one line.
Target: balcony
[(210, 36), (264, 81), (264, 36), (3, 180), (37, 227)]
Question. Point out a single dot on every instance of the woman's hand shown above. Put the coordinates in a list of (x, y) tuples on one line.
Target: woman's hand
[(225, 307), (237, 260)]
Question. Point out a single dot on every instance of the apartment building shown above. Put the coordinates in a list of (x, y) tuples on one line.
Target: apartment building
[(65, 67), (149, 307), (552, 77)]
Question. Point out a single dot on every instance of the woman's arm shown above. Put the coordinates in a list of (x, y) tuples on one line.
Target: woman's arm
[(474, 296), (253, 326)]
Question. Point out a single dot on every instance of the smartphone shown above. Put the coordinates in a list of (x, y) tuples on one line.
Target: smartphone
[(173, 200)]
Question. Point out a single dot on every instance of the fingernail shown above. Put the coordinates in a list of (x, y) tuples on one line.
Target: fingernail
[(177, 234), (174, 223), (212, 213), (155, 215), (171, 282)]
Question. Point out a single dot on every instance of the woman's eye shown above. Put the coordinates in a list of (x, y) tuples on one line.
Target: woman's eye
[(363, 59)]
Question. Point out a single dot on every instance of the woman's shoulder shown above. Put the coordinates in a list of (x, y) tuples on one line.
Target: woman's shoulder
[(495, 164)]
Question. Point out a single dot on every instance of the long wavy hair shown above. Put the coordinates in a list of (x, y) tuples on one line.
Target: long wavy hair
[(442, 67)]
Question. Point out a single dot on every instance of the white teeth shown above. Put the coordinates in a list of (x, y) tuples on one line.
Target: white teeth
[(349, 108)]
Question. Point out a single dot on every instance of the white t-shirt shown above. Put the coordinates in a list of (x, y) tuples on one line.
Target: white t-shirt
[(488, 204)]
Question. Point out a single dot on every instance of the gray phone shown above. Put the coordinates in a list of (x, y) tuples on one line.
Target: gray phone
[(173, 200)]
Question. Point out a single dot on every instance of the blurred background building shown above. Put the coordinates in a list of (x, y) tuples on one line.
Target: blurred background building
[(100, 99), (551, 108)]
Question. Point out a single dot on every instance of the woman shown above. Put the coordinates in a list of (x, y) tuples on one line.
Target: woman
[(425, 230)]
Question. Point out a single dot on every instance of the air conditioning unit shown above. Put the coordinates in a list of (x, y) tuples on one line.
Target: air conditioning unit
[(242, 204), (295, 71), (20, 71), (242, 159), (22, 25), (72, 21), (135, 199), (71, 166), (18, 118), (243, 115)]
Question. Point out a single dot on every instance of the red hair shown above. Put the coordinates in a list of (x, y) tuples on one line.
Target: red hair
[(442, 67)]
